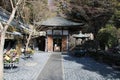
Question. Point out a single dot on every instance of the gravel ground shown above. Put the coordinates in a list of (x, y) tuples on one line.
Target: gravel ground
[(74, 68), (87, 69), (30, 68)]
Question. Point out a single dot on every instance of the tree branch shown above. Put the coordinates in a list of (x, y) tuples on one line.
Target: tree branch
[(12, 15), (1, 26), (18, 3), (11, 4), (24, 4)]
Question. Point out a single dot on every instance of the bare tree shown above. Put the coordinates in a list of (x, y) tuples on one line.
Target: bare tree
[(30, 35), (3, 31), (35, 11)]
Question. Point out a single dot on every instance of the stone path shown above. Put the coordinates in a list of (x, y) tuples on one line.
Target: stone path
[(52, 69), (85, 68)]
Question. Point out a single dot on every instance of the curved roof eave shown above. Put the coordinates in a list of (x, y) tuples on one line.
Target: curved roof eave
[(58, 21)]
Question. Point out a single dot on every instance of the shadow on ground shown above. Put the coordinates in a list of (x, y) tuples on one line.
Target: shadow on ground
[(91, 65)]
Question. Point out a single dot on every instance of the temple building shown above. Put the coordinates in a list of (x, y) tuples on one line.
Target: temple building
[(58, 35), (57, 38)]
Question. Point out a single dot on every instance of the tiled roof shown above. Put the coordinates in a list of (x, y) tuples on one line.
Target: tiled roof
[(58, 21)]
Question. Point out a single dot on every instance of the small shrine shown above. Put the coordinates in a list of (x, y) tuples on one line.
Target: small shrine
[(57, 38)]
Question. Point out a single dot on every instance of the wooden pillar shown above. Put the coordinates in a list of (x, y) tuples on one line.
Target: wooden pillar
[(50, 43), (64, 43)]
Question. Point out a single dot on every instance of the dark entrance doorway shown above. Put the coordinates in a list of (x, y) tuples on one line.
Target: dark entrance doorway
[(57, 43), (10, 43), (41, 43)]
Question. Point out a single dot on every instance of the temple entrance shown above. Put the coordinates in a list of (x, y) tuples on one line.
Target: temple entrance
[(57, 40), (57, 43)]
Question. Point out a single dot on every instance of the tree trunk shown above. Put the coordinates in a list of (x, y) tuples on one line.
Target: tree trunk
[(2, 35), (28, 40), (2, 40)]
